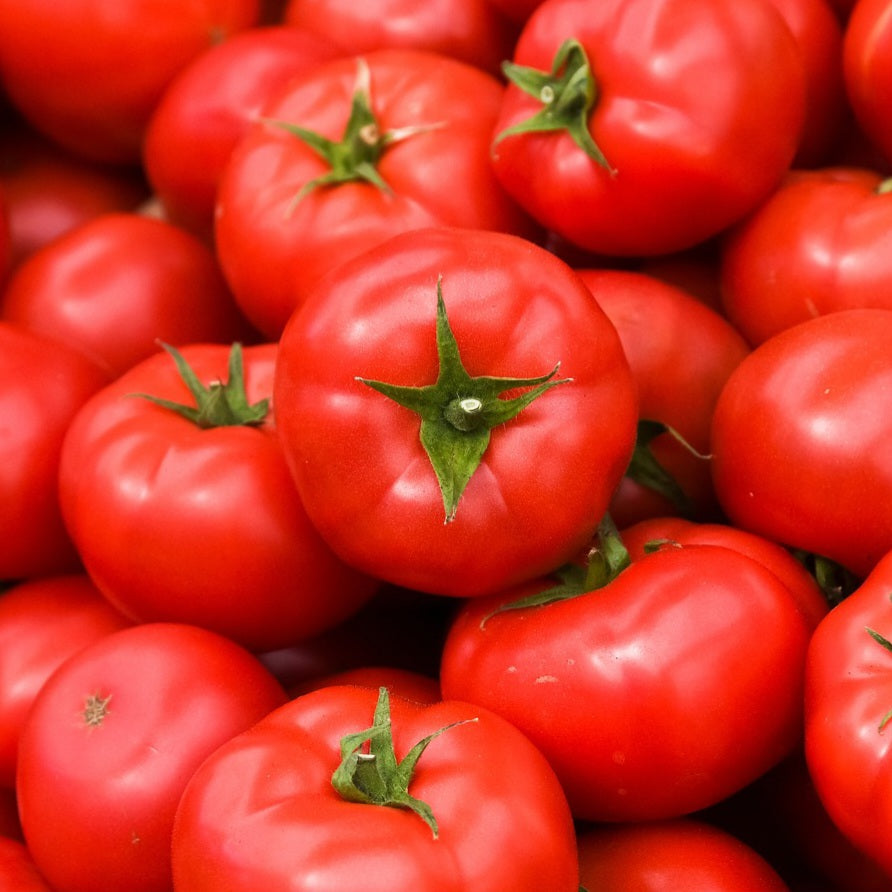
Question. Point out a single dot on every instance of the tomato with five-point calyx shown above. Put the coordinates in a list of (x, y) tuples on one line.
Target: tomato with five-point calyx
[(634, 127), (174, 488), (456, 410), (349, 788)]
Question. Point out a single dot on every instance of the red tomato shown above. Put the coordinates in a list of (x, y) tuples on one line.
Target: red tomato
[(430, 119), (849, 686), (867, 69), (42, 623), (89, 72), (5, 239), (209, 105), (18, 872), (802, 449), (821, 243), (403, 683), (44, 385), (473, 31), (455, 501), (113, 737), (262, 811), (678, 678), (118, 284), (193, 521), (668, 856), (680, 352), (644, 119)]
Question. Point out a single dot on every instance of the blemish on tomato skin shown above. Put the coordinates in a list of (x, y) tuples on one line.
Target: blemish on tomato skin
[(546, 679)]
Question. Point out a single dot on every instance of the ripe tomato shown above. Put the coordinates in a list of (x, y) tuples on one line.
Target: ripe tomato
[(44, 384), (679, 677), (42, 623), (88, 72), (118, 284), (475, 807), (470, 496), (196, 519), (18, 872), (407, 135), (624, 124), (209, 105), (801, 445), (821, 243), (113, 737)]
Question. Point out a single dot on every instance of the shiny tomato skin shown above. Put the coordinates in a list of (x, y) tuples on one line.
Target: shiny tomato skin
[(273, 248), (111, 741), (42, 623), (88, 74), (356, 456), (44, 385), (667, 856), (680, 87), (178, 523), (822, 242), (209, 105), (261, 813), (848, 690), (801, 444), (116, 285), (627, 674)]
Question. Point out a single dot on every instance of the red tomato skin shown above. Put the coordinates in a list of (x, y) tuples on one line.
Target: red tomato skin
[(42, 623), (848, 689), (666, 856), (120, 56), (97, 801), (176, 523), (473, 31), (404, 683), (356, 456), (17, 870), (209, 105), (729, 72), (680, 352), (800, 450), (503, 824), (867, 70), (71, 290), (615, 674), (44, 386), (273, 250), (821, 243)]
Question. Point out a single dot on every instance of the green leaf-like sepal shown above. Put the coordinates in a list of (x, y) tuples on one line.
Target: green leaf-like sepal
[(458, 412)]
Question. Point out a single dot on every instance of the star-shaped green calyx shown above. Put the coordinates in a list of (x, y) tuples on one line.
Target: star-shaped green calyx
[(458, 412)]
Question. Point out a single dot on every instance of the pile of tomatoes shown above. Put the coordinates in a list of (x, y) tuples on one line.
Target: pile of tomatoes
[(445, 446)]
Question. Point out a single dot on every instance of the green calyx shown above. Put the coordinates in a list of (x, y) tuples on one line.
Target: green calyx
[(568, 94), (355, 156), (222, 403), (458, 412), (372, 774)]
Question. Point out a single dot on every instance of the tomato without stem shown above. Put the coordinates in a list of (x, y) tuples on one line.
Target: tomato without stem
[(17, 869), (408, 460)]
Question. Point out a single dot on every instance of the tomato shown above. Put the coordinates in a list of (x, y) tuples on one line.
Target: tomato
[(409, 462), (867, 69), (800, 445), (311, 798), (193, 517), (5, 240), (624, 124), (401, 682), (71, 290), (680, 352), (43, 387), (407, 135), (113, 737), (17, 869), (665, 856), (655, 688), (849, 685), (821, 243), (89, 73), (42, 623), (474, 31), (209, 105)]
